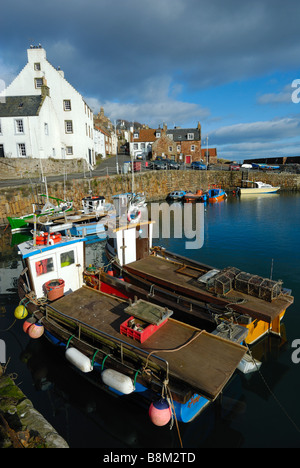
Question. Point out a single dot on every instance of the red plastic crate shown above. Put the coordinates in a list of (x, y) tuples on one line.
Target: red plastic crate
[(140, 336)]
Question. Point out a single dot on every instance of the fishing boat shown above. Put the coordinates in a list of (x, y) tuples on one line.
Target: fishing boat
[(252, 187), (191, 197), (92, 218), (52, 209), (214, 194), (256, 303), (176, 195), (135, 349)]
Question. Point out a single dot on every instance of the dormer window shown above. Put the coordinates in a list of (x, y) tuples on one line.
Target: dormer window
[(157, 134), (190, 136), (135, 135)]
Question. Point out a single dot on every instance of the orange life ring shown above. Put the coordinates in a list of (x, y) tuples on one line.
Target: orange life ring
[(43, 237)]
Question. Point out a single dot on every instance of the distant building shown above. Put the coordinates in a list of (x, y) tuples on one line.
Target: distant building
[(43, 116), (100, 141), (103, 123), (179, 144)]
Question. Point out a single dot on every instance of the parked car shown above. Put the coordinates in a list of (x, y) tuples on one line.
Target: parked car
[(198, 165), (172, 164), (234, 167), (160, 165)]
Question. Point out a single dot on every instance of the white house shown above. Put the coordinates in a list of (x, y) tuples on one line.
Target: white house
[(99, 141), (42, 115)]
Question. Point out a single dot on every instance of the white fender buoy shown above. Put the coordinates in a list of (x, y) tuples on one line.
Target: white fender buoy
[(120, 382), (79, 360)]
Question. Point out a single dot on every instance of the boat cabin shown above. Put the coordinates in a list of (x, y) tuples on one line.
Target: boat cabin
[(129, 242), (52, 261), (93, 204)]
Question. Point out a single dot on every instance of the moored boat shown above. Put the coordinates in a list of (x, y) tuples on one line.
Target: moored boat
[(216, 194), (191, 197), (252, 187), (254, 302), (176, 195), (51, 209), (135, 348)]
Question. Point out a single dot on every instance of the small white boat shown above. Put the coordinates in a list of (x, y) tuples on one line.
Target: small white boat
[(252, 187)]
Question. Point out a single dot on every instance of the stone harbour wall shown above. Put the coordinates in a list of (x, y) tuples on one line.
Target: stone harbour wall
[(17, 201), (13, 168)]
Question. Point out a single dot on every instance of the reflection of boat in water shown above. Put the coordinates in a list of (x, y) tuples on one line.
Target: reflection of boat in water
[(135, 347), (252, 187)]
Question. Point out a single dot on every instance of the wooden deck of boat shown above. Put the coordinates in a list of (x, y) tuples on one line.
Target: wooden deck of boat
[(161, 271), (206, 363)]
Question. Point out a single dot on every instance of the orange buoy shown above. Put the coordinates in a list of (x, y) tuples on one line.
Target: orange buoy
[(36, 330)]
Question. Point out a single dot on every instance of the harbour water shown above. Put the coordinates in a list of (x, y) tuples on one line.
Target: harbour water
[(259, 235)]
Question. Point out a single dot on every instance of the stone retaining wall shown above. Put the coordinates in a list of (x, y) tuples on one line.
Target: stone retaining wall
[(13, 168), (17, 201)]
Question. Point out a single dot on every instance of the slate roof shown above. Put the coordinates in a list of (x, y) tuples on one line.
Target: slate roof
[(181, 134), (20, 106)]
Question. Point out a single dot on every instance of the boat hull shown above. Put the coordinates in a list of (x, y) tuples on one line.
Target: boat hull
[(258, 191), (184, 412)]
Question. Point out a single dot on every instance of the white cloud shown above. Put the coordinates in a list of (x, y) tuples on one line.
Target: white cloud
[(271, 130), (283, 96), (156, 103)]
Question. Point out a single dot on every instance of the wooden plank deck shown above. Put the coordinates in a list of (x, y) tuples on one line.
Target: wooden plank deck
[(163, 272), (203, 361)]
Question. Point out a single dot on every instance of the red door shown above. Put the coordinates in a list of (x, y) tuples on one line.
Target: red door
[(188, 159)]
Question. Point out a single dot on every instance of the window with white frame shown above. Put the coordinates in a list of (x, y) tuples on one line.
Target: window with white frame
[(21, 149), (38, 82), (170, 149), (68, 126), (67, 104), (192, 147), (135, 146), (178, 148), (19, 127), (69, 150), (190, 136), (46, 128)]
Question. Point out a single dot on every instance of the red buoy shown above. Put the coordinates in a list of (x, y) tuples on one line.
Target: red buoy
[(160, 412)]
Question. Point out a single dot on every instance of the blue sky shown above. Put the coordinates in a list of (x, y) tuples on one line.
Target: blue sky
[(228, 64)]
